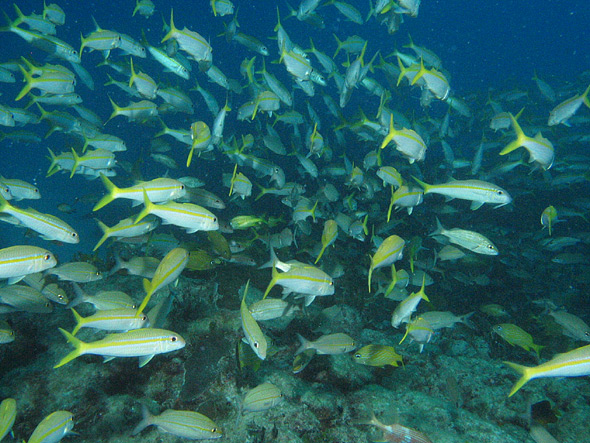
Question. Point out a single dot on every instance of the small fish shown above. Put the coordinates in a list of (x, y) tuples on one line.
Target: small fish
[(53, 428), (252, 332), (330, 344), (262, 397), (158, 190), (79, 272), (517, 336), (126, 228), (167, 272), (7, 416), (396, 432), (573, 326), (185, 424), (377, 355), (407, 306), (390, 251), (574, 363), (102, 300), (18, 261), (407, 141), (142, 343), (6, 336), (25, 298), (329, 235), (540, 149), (549, 218), (477, 191), (470, 240), (184, 215), (111, 320)]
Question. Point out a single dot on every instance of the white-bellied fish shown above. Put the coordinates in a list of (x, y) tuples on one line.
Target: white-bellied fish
[(407, 141), (157, 190), (185, 424), (330, 344), (566, 109), (126, 228), (470, 240), (575, 363), (184, 215), (79, 272), (477, 191), (540, 149), (142, 343), (262, 397), (18, 261), (48, 226), (102, 300), (407, 306), (53, 428), (252, 332), (25, 298), (124, 319)]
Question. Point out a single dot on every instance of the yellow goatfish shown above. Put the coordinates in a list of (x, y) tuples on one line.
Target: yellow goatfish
[(184, 215), (540, 149), (253, 334), (407, 141), (142, 343), (168, 271), (479, 192), (18, 261), (158, 190), (48, 226), (575, 363)]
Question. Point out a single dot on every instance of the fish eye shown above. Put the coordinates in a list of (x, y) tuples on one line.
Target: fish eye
[(74, 234), (173, 338), (587, 334), (47, 257), (144, 317), (256, 345), (213, 430), (491, 247), (331, 283), (500, 192), (357, 355), (60, 296), (214, 219), (181, 187)]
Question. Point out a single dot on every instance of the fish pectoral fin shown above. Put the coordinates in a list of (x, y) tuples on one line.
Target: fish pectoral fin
[(108, 359), (13, 280), (144, 360), (476, 205)]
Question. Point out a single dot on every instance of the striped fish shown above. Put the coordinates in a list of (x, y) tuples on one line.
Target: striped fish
[(575, 363), (158, 190), (111, 320), (252, 332), (185, 215), (18, 261), (142, 343), (262, 397), (186, 424), (7, 416), (49, 226), (53, 428)]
